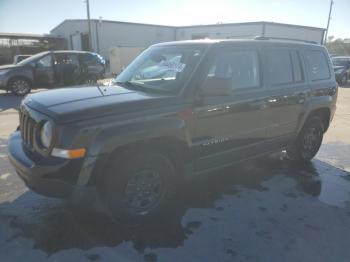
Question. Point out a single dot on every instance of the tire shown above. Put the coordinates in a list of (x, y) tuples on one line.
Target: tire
[(308, 141), (139, 186), (19, 86)]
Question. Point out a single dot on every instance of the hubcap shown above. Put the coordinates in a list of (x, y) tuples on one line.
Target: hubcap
[(144, 191), (20, 86)]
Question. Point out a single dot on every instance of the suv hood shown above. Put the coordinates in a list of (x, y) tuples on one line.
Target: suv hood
[(79, 103)]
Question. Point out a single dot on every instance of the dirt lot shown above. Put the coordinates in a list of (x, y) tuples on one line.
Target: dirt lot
[(260, 211)]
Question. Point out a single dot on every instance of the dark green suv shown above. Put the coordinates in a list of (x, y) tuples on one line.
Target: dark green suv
[(179, 109)]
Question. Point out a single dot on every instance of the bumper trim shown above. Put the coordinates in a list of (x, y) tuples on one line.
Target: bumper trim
[(36, 176)]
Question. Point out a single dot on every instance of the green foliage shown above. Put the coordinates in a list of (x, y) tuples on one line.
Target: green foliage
[(338, 46)]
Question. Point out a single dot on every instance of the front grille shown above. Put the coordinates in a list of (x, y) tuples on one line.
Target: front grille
[(27, 127)]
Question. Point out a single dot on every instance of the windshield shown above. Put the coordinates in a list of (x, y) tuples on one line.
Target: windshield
[(32, 58), (339, 61), (164, 69)]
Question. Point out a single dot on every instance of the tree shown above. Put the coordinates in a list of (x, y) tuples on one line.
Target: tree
[(338, 46)]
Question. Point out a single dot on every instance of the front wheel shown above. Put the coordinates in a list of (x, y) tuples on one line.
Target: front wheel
[(308, 141), (139, 186), (19, 86)]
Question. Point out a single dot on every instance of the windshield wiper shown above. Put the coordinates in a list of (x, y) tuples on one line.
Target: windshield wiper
[(140, 87), (130, 85)]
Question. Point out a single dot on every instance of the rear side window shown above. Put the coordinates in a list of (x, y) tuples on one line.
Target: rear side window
[(71, 59), (279, 67), (91, 59), (318, 65), (241, 67)]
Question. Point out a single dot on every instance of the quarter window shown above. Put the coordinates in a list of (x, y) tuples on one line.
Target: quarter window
[(242, 67), (318, 65), (279, 67), (298, 73)]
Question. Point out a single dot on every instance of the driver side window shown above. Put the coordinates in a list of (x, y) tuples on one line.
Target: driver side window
[(45, 62)]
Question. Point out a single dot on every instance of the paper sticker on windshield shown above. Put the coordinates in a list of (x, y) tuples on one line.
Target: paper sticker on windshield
[(173, 66)]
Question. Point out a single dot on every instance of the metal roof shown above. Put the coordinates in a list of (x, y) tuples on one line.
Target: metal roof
[(22, 35), (189, 26)]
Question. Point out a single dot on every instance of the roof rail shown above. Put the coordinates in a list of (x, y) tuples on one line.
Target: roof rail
[(282, 38)]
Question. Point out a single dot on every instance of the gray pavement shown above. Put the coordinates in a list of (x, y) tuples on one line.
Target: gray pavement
[(266, 210)]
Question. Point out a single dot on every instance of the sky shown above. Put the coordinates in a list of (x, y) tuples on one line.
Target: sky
[(40, 16)]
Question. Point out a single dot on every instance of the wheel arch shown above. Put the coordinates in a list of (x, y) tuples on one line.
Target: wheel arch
[(324, 113), (172, 147)]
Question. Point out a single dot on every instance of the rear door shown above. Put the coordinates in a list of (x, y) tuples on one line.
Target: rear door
[(230, 128), (287, 91)]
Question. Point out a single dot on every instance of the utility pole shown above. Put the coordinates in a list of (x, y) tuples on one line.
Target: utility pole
[(329, 19), (89, 23)]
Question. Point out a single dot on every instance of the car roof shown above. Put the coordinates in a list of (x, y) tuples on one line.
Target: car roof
[(70, 52), (239, 41)]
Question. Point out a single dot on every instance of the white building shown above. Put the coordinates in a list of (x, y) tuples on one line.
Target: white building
[(124, 40)]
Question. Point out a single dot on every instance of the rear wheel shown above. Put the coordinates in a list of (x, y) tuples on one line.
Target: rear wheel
[(19, 86), (139, 186), (308, 141)]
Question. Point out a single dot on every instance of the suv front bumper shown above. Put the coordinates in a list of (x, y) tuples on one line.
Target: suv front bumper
[(37, 175)]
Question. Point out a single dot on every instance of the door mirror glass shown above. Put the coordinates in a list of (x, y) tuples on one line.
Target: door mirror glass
[(216, 86)]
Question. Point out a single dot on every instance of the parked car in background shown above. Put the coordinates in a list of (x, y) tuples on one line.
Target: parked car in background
[(52, 69), (341, 65), (131, 143), (19, 58)]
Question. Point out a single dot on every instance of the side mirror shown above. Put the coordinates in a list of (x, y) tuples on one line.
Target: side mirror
[(216, 86)]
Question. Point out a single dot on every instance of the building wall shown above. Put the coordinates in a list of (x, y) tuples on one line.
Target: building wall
[(107, 35), (111, 34), (70, 28), (302, 33), (219, 31)]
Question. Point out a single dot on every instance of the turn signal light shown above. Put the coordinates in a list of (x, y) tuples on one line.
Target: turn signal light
[(69, 153)]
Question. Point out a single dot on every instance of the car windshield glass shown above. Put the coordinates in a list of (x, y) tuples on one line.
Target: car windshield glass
[(32, 58), (339, 61), (163, 69)]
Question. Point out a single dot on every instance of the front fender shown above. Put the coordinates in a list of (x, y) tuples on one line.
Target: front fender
[(110, 139)]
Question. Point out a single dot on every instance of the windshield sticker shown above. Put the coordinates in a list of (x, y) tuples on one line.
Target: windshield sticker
[(173, 66)]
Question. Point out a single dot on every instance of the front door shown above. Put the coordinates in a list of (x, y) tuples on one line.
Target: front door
[(43, 71), (232, 127)]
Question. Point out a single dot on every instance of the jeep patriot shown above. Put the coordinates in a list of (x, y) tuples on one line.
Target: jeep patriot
[(179, 109)]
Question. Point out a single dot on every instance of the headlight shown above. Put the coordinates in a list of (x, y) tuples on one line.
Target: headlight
[(46, 134)]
